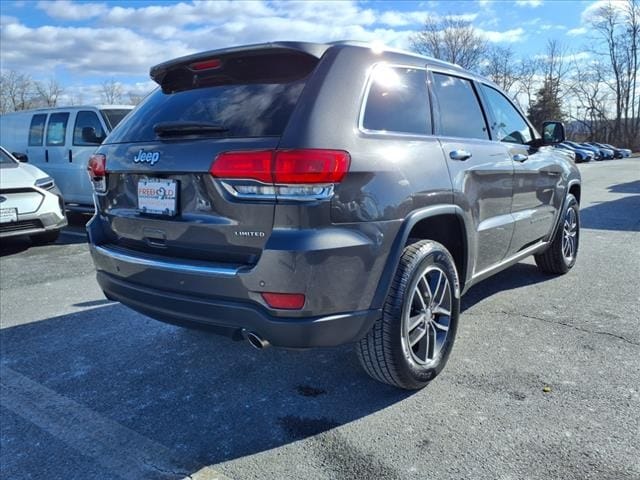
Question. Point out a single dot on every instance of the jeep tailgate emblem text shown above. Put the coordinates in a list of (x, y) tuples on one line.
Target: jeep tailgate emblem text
[(147, 157)]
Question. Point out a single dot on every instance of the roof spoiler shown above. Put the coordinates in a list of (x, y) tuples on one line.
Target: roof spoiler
[(159, 72)]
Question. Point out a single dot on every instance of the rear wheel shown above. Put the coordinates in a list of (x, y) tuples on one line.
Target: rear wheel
[(412, 341), (47, 237), (562, 253)]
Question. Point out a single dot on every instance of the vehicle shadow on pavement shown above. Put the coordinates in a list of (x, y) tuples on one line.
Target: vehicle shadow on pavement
[(206, 398), (519, 275), (621, 214), (13, 246)]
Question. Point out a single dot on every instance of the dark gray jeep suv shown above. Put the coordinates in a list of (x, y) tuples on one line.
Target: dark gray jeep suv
[(308, 195)]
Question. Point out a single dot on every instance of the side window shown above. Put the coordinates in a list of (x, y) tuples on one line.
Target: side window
[(460, 112), (398, 101), (36, 130), (57, 128), (508, 125), (88, 129)]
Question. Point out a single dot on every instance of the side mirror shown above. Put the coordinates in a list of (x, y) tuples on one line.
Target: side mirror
[(553, 133), (21, 157), (89, 136)]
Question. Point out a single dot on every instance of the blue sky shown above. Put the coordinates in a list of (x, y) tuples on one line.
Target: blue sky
[(84, 43)]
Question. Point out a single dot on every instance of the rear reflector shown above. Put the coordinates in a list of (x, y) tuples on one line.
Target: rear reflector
[(97, 165), (287, 167), (284, 301)]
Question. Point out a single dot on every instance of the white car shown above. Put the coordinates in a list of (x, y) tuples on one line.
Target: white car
[(30, 203)]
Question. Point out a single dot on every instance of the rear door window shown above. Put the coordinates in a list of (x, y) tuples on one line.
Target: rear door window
[(460, 112), (88, 129), (113, 116), (57, 129), (397, 101), (36, 130)]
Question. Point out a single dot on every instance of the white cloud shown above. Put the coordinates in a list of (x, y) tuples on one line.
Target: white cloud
[(508, 36), (529, 3), (591, 12), (67, 10), (574, 32)]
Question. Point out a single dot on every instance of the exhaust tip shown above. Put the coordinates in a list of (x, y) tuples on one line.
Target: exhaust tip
[(255, 340)]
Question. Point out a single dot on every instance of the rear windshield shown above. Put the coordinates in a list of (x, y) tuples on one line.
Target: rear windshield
[(255, 110), (114, 116)]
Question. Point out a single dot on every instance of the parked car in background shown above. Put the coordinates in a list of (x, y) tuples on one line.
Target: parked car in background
[(310, 195), (596, 151), (30, 203), (617, 153), (60, 141), (605, 153), (581, 155)]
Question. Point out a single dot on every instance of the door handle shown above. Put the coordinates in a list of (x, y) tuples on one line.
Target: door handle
[(459, 155), (520, 157), (46, 155), (70, 156)]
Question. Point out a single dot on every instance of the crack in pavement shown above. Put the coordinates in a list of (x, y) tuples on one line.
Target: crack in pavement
[(575, 327)]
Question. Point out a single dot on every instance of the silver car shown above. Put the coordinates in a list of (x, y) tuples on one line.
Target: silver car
[(30, 203)]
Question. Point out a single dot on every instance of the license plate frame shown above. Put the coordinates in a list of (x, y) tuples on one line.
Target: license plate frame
[(158, 196), (8, 215)]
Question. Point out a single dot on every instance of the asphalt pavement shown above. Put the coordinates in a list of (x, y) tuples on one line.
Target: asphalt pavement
[(543, 382)]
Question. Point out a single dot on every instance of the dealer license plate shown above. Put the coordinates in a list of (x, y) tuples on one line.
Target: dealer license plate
[(8, 215), (157, 196)]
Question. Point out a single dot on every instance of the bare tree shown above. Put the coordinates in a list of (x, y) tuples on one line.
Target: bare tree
[(135, 98), (620, 30), (16, 91), (48, 92), (112, 92), (451, 39), (501, 67), (527, 71)]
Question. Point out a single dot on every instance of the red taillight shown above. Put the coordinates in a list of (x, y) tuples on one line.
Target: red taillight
[(285, 167), (284, 301), (206, 64), (310, 166), (97, 166), (253, 165)]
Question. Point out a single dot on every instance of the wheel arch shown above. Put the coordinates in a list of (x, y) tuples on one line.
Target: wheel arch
[(444, 224)]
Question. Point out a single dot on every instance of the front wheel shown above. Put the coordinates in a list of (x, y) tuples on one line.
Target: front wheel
[(412, 341), (562, 253)]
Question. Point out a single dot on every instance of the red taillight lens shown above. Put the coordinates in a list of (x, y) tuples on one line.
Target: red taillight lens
[(310, 166), (288, 167), (284, 301), (97, 165), (255, 165)]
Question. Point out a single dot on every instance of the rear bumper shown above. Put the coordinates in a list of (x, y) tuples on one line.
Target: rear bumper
[(230, 317)]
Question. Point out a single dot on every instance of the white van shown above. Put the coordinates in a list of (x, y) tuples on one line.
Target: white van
[(60, 141)]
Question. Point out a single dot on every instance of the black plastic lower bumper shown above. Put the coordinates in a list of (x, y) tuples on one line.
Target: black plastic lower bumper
[(231, 317)]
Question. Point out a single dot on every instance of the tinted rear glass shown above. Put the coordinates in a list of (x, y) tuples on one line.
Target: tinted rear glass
[(248, 96), (255, 110), (36, 130), (113, 117)]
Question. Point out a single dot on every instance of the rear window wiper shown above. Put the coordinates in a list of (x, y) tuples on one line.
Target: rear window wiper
[(165, 129)]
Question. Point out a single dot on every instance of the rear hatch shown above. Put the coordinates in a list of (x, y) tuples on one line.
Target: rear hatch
[(159, 196)]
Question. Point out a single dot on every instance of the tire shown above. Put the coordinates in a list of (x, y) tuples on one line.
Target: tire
[(47, 237), (385, 352), (562, 253)]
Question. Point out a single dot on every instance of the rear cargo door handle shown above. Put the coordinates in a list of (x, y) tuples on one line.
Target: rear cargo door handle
[(520, 157), (459, 155)]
